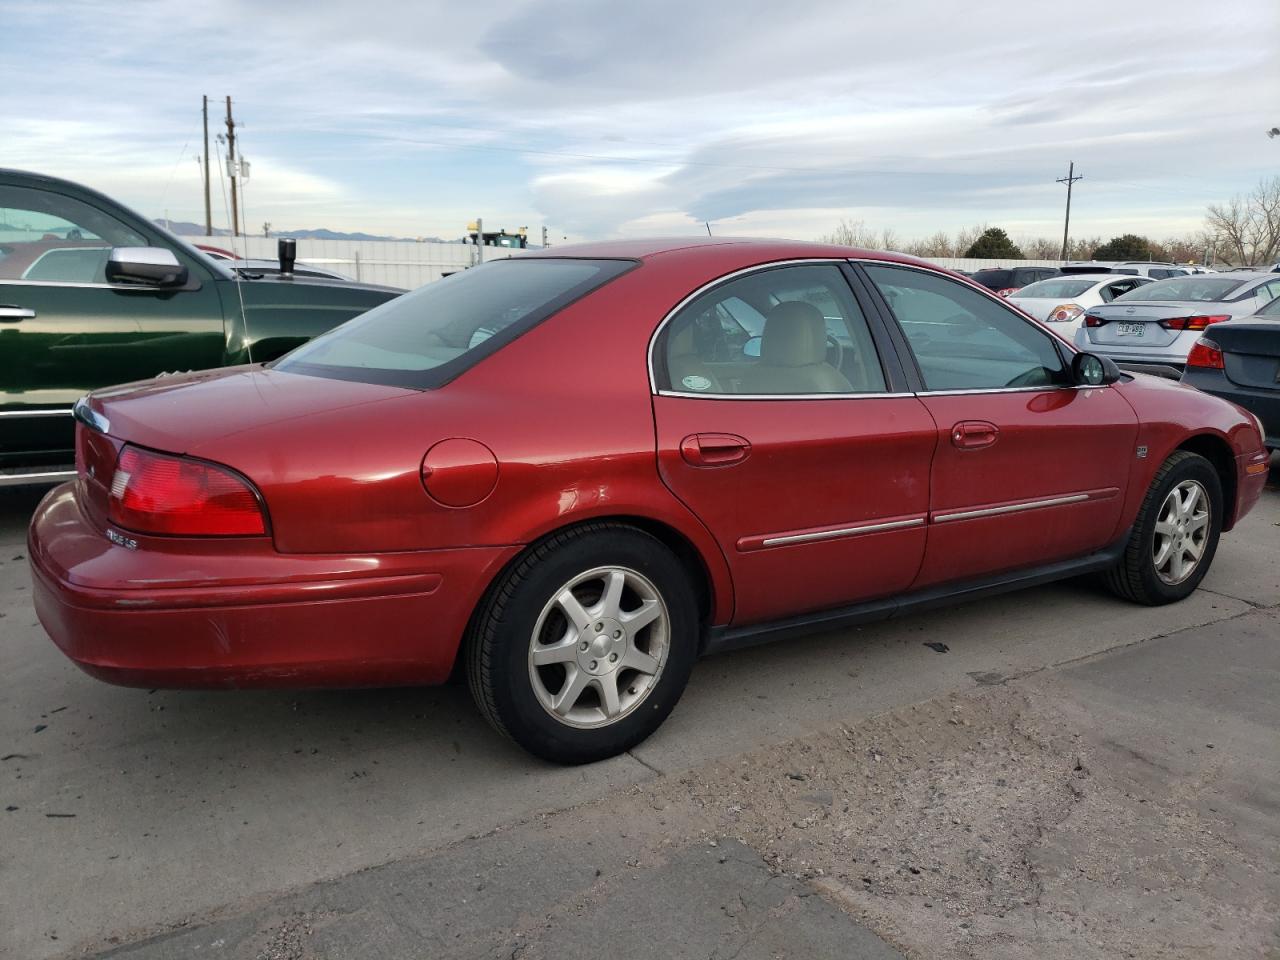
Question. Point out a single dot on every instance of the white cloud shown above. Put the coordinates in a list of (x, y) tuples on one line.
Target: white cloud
[(604, 119)]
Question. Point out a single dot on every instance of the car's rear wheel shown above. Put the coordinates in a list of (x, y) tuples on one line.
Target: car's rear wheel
[(582, 649), (1175, 537)]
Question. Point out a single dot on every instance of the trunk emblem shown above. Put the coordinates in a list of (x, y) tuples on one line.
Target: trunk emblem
[(1130, 310), (120, 540)]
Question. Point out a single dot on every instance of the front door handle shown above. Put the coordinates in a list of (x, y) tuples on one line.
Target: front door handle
[(10, 313), (974, 434), (714, 449)]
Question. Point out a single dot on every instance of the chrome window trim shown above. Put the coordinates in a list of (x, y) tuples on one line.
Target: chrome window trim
[(979, 288), (1010, 508), (60, 412), (79, 286), (922, 267), (842, 532), (1041, 389), (733, 275), (782, 396)]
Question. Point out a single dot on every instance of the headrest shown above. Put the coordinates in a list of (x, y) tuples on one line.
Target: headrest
[(795, 335)]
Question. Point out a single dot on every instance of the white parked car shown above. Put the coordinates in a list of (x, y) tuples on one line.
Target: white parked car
[(1062, 302)]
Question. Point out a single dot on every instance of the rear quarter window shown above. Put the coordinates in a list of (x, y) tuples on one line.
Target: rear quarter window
[(429, 336)]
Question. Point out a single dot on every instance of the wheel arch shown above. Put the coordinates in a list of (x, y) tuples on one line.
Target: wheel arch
[(712, 587), (1218, 452)]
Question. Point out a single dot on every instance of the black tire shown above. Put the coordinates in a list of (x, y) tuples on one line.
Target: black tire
[(1135, 577), (497, 656)]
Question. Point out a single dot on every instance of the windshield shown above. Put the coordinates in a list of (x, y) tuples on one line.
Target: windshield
[(1055, 289), (427, 337), (1202, 289)]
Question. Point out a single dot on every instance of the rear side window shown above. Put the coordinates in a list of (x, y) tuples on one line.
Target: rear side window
[(427, 337), (963, 339), (779, 331)]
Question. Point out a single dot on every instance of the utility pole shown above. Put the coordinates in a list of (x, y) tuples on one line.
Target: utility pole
[(544, 236), (231, 170), (1069, 179), (208, 208), (479, 240)]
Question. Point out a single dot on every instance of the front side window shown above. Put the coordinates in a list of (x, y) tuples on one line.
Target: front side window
[(963, 340), (428, 336), (793, 330), (50, 238)]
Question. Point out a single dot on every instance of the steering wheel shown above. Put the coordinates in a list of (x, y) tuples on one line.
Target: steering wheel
[(833, 342)]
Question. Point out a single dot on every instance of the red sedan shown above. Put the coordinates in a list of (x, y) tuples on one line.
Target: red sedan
[(576, 472)]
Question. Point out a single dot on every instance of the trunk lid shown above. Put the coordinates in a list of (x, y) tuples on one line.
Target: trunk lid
[(337, 462), (1137, 323), (1037, 306), (1250, 351), (180, 413)]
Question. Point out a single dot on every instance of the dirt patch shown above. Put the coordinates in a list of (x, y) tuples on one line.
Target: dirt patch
[(991, 826)]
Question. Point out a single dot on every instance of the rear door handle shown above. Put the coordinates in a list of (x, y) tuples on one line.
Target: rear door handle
[(714, 449), (10, 313), (974, 434)]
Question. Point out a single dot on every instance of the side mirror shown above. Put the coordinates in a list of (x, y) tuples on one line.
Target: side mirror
[(145, 267), (1091, 370), (287, 252), (752, 347)]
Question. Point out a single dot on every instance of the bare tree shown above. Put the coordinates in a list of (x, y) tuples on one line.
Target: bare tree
[(1041, 248), (967, 237), (1248, 225), (938, 245), (852, 233)]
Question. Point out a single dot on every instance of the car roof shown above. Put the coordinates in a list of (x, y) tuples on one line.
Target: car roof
[(746, 249)]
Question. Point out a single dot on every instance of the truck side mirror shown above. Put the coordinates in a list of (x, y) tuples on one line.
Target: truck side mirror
[(145, 267), (287, 251)]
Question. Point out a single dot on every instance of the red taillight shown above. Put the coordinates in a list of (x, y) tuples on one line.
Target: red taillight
[(1007, 291), (1091, 321), (1206, 354), (155, 493), (1192, 323)]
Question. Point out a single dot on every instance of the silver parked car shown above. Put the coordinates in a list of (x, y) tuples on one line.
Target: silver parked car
[(1154, 327)]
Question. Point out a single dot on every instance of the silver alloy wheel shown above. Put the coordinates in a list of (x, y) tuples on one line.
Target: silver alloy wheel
[(599, 647), (1182, 530)]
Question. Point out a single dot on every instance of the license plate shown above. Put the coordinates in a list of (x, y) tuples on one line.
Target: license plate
[(1130, 329)]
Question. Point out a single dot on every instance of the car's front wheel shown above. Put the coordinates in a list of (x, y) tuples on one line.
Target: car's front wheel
[(582, 649), (1176, 534)]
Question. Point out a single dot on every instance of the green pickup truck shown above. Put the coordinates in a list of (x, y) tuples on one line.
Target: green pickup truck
[(92, 294)]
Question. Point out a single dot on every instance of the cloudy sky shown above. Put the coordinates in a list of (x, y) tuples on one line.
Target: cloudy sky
[(602, 119)]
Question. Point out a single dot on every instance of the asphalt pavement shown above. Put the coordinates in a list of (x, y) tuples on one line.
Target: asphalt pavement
[(130, 813)]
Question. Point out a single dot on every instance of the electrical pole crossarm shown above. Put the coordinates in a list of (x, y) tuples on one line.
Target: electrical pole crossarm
[(1069, 179)]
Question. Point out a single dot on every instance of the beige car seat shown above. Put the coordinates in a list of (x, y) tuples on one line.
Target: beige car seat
[(793, 354)]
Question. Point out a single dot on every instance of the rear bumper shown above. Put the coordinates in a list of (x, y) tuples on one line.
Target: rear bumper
[(234, 613)]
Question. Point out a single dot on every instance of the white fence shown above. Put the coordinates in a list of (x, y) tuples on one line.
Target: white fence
[(396, 263), (965, 263), (409, 264)]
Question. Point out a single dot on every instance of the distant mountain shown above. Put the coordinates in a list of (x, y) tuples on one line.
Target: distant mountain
[(184, 228)]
